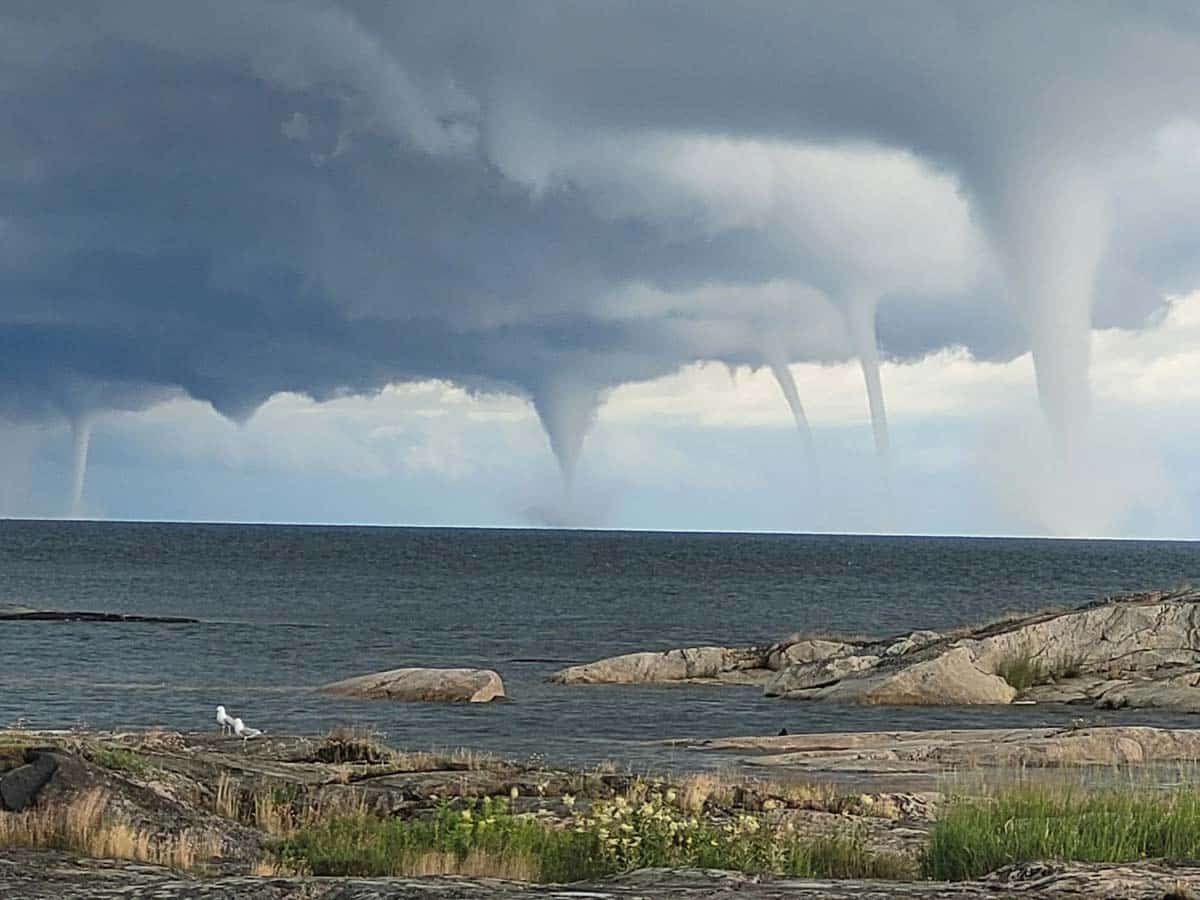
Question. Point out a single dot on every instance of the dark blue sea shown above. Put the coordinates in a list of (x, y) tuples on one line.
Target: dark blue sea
[(286, 609)]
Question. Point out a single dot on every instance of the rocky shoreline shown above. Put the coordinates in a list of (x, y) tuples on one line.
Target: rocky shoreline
[(205, 793), (167, 785), (1132, 651), (53, 876)]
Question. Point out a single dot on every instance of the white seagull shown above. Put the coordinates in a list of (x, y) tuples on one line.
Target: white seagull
[(224, 720), (242, 731)]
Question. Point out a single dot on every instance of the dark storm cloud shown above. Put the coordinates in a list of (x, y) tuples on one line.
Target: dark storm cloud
[(235, 199), (177, 237)]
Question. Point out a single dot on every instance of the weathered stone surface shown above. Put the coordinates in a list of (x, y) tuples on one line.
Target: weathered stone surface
[(46, 876), (951, 678), (797, 649), (936, 752), (19, 787), (1140, 650), (1141, 634), (671, 665), (1180, 692), (800, 676), (423, 685), (910, 642), (719, 665)]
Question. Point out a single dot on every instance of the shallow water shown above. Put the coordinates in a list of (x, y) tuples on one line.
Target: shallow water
[(287, 608)]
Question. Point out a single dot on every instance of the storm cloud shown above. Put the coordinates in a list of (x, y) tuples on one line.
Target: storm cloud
[(230, 200)]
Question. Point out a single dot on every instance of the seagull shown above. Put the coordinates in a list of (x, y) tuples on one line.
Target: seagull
[(224, 720), (245, 733)]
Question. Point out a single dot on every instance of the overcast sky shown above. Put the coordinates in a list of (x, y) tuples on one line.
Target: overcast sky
[(911, 267)]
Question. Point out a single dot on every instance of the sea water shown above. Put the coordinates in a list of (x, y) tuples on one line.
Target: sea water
[(285, 609)]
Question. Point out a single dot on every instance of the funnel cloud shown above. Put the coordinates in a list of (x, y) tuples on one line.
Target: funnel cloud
[(233, 201)]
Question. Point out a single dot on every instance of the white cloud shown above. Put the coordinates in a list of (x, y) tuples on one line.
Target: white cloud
[(960, 414), (418, 428), (1155, 368), (1152, 368), (947, 384), (878, 217)]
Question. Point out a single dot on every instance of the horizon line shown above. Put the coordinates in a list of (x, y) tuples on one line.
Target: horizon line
[(593, 529)]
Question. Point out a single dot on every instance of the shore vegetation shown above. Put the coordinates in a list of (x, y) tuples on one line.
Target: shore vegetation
[(485, 838), (975, 836), (338, 808), (89, 826), (1023, 668)]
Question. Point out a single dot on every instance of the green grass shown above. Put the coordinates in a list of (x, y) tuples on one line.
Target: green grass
[(485, 839), (118, 759), (975, 837), (1023, 670), (367, 845)]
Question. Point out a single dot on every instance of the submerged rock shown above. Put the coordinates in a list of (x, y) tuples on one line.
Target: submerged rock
[(423, 685)]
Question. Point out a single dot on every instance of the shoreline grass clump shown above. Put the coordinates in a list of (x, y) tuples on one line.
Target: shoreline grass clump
[(977, 836), (281, 808), (1023, 669), (483, 838), (118, 759), (353, 744), (358, 752), (86, 825)]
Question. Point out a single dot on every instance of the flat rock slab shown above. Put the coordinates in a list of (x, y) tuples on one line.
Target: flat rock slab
[(423, 685), (934, 752), (47, 876)]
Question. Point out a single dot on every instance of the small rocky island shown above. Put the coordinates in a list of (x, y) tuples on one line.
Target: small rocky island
[(423, 685), (1132, 651)]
